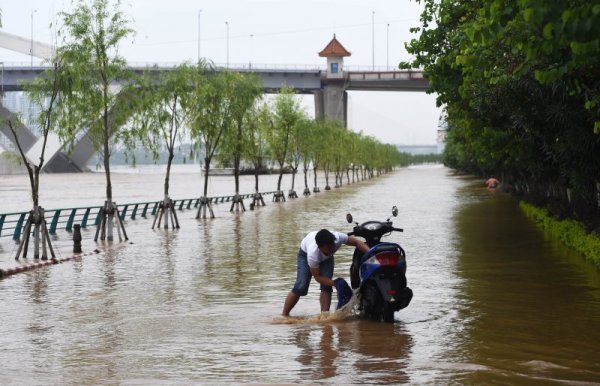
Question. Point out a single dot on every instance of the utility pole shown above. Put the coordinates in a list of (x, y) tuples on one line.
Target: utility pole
[(387, 56), (199, 12), (31, 47), (227, 24), (373, 38), (251, 49)]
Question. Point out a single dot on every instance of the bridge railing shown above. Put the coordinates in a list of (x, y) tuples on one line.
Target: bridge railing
[(384, 75), (12, 224)]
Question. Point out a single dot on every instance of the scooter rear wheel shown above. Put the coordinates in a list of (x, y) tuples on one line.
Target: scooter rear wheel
[(372, 302)]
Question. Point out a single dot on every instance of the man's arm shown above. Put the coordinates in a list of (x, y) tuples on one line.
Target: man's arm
[(358, 243), (321, 279)]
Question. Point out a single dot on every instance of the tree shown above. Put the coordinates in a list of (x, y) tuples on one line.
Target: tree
[(247, 89), (319, 153), (158, 122), (298, 143), (259, 124), (46, 92), (307, 146), (518, 81), (286, 114), (91, 38), (208, 108)]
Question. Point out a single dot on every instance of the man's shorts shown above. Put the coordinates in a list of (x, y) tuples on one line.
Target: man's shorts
[(303, 276)]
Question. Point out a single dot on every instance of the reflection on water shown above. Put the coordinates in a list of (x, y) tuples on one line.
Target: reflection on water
[(495, 302)]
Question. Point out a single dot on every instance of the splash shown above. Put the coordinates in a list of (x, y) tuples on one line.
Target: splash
[(347, 311)]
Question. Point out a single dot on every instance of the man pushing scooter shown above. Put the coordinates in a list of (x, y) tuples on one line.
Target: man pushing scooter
[(315, 259)]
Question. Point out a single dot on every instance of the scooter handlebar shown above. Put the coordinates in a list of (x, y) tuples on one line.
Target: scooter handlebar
[(398, 229)]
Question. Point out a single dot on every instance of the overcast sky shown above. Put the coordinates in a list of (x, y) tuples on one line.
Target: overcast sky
[(267, 33)]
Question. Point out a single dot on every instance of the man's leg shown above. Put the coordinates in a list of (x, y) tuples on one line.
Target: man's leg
[(303, 277), (325, 299), (290, 302), (326, 269)]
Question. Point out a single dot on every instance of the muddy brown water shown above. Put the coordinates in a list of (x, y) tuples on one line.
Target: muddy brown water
[(496, 302)]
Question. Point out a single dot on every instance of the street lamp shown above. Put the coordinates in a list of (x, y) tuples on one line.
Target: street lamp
[(227, 24), (387, 56), (373, 37), (199, 12), (31, 48), (2, 90), (251, 48)]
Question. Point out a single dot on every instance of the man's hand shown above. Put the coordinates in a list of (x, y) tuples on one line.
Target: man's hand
[(321, 279)]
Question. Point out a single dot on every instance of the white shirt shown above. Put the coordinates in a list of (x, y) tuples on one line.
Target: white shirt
[(314, 254)]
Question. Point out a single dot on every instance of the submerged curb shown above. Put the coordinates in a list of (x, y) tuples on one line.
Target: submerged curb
[(28, 267)]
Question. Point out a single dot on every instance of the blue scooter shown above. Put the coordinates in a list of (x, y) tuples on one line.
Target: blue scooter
[(379, 274)]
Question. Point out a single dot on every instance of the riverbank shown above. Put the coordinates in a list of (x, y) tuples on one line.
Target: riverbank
[(569, 232)]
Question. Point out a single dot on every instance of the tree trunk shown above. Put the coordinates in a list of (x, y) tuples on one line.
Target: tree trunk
[(236, 173), (306, 177), (206, 168), (280, 176), (109, 199), (294, 178)]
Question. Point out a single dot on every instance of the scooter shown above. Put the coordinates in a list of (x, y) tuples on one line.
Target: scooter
[(379, 274)]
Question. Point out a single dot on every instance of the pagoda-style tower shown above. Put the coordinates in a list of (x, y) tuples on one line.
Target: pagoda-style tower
[(335, 53), (332, 101)]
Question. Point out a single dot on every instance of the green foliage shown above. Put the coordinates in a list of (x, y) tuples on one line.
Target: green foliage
[(286, 114), (47, 92), (89, 49), (158, 118), (569, 232), (246, 89), (518, 80)]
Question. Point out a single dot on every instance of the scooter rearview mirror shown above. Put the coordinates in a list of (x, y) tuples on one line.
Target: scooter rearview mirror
[(349, 218), (394, 211)]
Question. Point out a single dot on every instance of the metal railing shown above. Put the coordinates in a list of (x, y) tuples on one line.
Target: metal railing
[(11, 224)]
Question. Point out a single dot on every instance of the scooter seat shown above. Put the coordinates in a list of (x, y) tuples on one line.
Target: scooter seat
[(382, 247)]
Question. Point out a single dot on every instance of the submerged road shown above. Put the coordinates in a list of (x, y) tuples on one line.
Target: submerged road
[(495, 302)]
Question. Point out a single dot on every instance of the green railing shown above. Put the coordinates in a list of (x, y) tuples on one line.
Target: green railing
[(11, 224)]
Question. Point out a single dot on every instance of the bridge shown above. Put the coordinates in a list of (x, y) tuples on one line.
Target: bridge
[(329, 87)]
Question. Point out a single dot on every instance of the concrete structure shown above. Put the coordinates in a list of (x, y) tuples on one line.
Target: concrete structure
[(332, 101)]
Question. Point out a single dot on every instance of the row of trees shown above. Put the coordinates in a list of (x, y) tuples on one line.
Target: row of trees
[(223, 113), (519, 82)]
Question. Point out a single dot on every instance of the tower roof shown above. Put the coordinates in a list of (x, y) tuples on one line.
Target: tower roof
[(334, 48)]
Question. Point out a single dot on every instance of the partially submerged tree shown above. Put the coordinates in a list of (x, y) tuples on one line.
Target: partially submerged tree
[(91, 38), (158, 122), (247, 88), (299, 142), (306, 147), (286, 115), (45, 91), (259, 123), (208, 106)]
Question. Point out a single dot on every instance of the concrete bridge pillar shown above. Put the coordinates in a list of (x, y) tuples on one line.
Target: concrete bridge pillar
[(332, 102)]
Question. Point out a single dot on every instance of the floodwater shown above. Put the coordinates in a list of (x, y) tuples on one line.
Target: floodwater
[(495, 301)]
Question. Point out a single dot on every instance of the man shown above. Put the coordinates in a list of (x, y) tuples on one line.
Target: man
[(315, 259), (492, 183)]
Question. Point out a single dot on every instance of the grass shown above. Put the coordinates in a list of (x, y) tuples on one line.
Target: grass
[(570, 232)]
